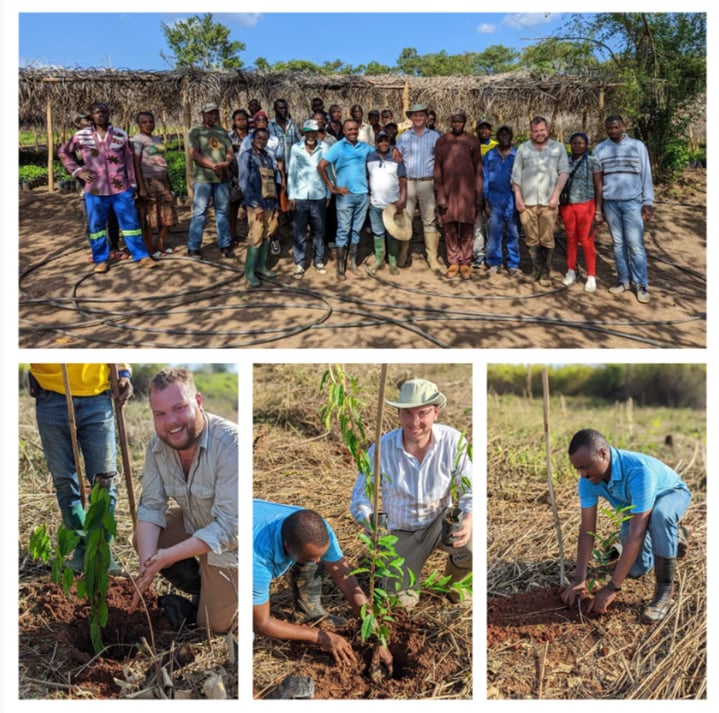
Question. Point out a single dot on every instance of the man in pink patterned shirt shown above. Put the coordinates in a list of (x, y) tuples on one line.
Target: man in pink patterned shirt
[(109, 174)]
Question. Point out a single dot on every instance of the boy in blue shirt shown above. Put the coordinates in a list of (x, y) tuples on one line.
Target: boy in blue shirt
[(652, 537)]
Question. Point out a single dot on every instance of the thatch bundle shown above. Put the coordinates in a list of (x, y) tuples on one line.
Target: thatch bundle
[(569, 102)]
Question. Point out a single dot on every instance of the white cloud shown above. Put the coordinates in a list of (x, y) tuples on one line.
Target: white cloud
[(248, 19), (486, 29), (527, 19)]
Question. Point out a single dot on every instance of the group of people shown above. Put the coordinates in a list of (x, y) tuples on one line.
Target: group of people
[(423, 462), (187, 517), (328, 177)]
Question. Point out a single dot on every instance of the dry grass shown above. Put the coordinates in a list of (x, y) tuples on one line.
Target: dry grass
[(41, 676), (297, 462), (664, 662)]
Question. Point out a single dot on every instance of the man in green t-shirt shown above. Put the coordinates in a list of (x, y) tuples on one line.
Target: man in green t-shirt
[(211, 153)]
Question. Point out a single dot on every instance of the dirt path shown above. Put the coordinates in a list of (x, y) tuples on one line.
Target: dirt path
[(206, 304)]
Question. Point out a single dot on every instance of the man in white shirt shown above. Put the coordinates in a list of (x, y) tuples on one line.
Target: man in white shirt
[(420, 462)]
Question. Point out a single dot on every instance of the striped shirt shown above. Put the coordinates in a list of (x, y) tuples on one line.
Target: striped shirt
[(415, 494), (418, 152), (636, 479), (627, 171)]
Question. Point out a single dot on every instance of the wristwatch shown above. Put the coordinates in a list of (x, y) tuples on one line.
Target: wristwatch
[(612, 587)]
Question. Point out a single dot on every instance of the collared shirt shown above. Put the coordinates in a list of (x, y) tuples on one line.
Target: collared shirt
[(348, 161), (536, 172), (636, 479), (384, 174), (109, 157), (303, 180), (486, 146), (207, 496), (627, 172), (418, 152), (498, 178), (415, 494), (288, 137), (274, 146), (269, 558)]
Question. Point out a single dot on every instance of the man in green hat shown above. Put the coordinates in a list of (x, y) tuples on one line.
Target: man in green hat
[(422, 463)]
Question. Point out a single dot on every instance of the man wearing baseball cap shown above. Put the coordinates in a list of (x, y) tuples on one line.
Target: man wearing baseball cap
[(420, 462), (211, 152)]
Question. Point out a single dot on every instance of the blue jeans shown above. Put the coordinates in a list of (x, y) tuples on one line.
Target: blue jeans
[(624, 219), (351, 214), (95, 422), (312, 212), (220, 194), (375, 220), (502, 219), (661, 537), (98, 210)]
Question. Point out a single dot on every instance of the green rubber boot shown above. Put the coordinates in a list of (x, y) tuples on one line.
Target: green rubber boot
[(250, 266), (262, 270), (392, 253), (379, 254), (74, 519)]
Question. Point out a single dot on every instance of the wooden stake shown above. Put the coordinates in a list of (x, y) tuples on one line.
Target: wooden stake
[(122, 435), (73, 433)]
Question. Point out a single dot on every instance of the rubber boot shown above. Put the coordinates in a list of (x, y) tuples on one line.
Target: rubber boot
[(403, 253), (74, 519), (352, 263), (392, 251), (547, 266), (184, 575), (457, 573), (379, 251), (431, 244), (261, 269), (656, 610), (341, 263), (306, 582), (535, 257), (250, 265)]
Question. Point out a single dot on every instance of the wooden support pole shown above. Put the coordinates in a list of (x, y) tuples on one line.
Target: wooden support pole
[(50, 149)]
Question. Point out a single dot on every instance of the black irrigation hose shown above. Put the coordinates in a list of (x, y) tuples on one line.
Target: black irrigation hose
[(275, 334)]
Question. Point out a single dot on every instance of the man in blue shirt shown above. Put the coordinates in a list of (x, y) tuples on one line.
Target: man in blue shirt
[(286, 536), (499, 204), (652, 536), (348, 158)]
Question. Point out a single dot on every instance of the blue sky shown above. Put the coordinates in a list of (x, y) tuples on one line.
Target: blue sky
[(134, 40)]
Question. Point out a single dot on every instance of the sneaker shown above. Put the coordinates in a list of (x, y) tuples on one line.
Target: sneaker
[(227, 252), (147, 262), (513, 271), (570, 278), (320, 267), (299, 271), (167, 251), (101, 266), (157, 255), (643, 295), (618, 289), (591, 284), (275, 246), (493, 270), (194, 254), (477, 263)]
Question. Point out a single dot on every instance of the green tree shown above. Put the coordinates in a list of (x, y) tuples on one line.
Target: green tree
[(494, 60), (558, 56), (661, 60), (201, 42)]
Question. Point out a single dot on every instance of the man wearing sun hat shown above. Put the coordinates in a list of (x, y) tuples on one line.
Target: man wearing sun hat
[(417, 148), (419, 461)]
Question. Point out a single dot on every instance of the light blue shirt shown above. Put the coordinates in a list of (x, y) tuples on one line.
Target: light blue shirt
[(304, 182), (636, 479), (269, 559), (418, 152), (627, 172), (349, 162)]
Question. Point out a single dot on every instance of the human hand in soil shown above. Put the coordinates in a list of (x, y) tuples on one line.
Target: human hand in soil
[(602, 599), (382, 655), (576, 590), (338, 646), (149, 569)]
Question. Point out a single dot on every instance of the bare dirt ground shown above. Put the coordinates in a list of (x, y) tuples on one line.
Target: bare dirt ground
[(186, 303), (539, 648), (296, 461)]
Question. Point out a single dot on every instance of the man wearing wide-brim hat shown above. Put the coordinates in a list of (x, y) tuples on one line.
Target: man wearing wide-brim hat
[(388, 192), (417, 148), (426, 471)]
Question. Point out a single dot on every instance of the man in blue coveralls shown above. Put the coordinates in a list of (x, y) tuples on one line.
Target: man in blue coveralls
[(651, 537)]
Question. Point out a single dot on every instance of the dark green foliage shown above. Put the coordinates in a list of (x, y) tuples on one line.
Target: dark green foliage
[(176, 170)]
